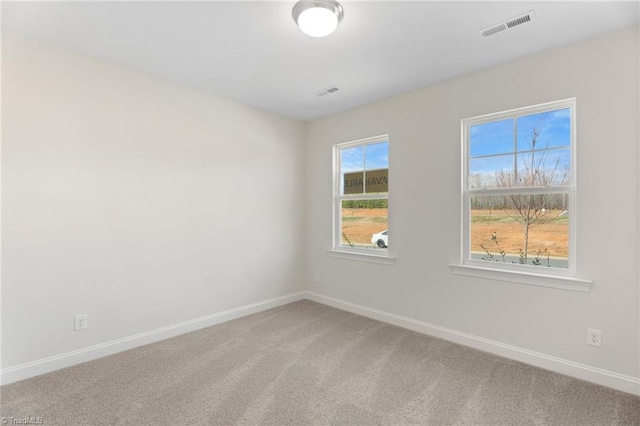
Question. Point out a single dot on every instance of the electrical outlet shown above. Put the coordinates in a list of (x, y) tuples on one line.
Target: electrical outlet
[(594, 337), (316, 278), (80, 322)]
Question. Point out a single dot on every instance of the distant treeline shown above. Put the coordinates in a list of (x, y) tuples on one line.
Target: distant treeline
[(365, 204), (499, 202)]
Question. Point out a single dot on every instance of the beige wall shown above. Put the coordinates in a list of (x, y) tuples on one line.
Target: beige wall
[(424, 206), (136, 201)]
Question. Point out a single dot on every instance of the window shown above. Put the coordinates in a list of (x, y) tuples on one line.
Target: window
[(518, 192), (361, 189)]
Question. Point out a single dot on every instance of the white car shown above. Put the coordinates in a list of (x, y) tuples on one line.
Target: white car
[(381, 239)]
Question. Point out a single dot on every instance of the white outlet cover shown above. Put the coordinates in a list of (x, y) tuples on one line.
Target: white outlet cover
[(80, 322), (594, 337)]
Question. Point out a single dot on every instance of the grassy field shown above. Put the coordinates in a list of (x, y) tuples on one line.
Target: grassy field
[(550, 233)]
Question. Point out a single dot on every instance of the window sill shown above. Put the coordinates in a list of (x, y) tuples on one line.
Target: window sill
[(362, 257), (541, 280)]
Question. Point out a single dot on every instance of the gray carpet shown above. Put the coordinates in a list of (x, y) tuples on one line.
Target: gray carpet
[(306, 363)]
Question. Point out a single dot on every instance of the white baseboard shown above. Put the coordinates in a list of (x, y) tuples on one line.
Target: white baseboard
[(68, 359), (588, 373)]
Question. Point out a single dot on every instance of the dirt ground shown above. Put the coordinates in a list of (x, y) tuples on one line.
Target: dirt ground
[(360, 224), (550, 233)]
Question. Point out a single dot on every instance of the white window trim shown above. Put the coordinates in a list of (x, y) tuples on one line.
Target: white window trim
[(362, 257), (338, 250), (523, 274), (522, 277)]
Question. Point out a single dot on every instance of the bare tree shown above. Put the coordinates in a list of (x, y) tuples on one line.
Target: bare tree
[(534, 172)]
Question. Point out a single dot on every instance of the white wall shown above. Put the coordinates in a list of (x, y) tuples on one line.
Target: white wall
[(144, 204), (424, 222), (136, 201)]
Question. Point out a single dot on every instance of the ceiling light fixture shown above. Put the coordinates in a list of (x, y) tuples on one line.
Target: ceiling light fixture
[(317, 18)]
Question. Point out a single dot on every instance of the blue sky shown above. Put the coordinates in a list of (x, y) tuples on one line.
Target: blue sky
[(497, 137), (367, 157), (494, 143)]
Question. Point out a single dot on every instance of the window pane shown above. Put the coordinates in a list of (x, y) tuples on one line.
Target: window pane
[(376, 156), (483, 172), (523, 229), (543, 168), (549, 129), (377, 181), (352, 159), (365, 169), (352, 183), (363, 222), (495, 137)]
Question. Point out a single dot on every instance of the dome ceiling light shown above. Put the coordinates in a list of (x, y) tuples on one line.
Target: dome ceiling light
[(317, 18)]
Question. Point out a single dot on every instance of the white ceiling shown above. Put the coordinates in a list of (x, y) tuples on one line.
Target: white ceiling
[(254, 53)]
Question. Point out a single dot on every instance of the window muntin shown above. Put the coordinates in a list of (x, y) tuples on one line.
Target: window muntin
[(519, 189), (361, 195)]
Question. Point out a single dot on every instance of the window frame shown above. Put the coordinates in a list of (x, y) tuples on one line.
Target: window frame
[(509, 271), (375, 255)]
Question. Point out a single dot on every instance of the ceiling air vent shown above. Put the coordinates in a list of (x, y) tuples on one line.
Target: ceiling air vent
[(506, 25), (327, 91)]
